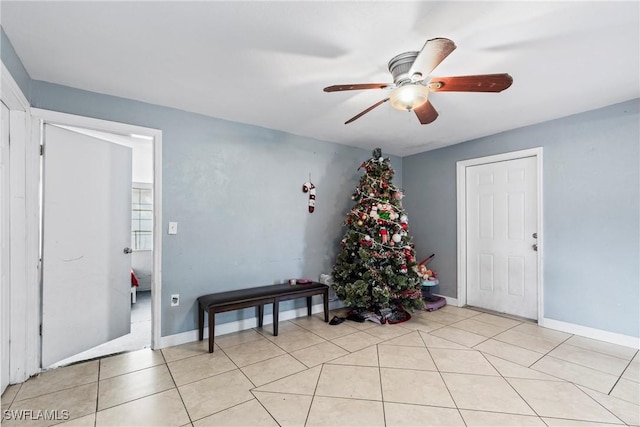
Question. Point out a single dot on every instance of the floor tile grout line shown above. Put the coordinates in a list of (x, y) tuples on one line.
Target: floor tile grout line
[(445, 339), (326, 361), (259, 403), (625, 370), (384, 415), (95, 412), (232, 406), (599, 352), (525, 348), (54, 391), (445, 385), (13, 399), (240, 369), (619, 376), (313, 332), (595, 400), (313, 397), (184, 405), (131, 372), (511, 385)]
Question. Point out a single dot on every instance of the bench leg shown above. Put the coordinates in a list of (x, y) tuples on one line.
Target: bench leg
[(260, 315), (325, 297), (276, 310), (212, 325), (200, 323), (308, 306)]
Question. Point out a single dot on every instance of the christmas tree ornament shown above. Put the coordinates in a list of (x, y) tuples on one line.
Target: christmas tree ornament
[(308, 187), (383, 233), (403, 218), (360, 223), (396, 238)]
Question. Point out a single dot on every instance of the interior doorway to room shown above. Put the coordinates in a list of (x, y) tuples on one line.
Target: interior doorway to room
[(137, 253), (499, 225)]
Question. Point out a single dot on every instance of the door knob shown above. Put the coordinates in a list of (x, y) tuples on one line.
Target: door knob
[(127, 250)]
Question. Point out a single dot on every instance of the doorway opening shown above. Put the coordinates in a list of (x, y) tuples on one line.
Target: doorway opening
[(142, 246)]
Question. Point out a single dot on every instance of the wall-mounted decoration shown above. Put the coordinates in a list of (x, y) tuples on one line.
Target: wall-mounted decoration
[(308, 187)]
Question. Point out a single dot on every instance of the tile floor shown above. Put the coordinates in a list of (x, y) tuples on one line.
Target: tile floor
[(451, 367)]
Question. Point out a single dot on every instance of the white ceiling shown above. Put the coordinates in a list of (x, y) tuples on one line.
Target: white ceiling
[(265, 63)]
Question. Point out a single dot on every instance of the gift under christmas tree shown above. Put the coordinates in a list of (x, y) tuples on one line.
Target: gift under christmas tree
[(375, 269)]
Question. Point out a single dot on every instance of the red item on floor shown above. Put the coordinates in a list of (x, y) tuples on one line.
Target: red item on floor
[(134, 279)]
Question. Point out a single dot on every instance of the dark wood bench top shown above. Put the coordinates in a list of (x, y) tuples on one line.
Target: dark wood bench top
[(249, 294), (257, 297)]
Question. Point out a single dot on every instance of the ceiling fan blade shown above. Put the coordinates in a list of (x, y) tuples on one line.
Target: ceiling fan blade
[(478, 83), (432, 54), (357, 116), (338, 88), (426, 113)]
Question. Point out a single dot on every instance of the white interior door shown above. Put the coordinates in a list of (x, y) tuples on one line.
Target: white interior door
[(501, 226), (86, 282), (4, 248)]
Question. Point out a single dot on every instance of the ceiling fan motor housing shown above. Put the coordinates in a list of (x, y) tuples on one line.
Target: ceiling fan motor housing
[(400, 65)]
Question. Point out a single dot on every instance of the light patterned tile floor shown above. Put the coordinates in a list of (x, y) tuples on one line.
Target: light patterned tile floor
[(451, 367)]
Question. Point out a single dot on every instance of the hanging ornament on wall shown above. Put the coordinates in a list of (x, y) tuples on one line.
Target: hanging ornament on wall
[(308, 187)]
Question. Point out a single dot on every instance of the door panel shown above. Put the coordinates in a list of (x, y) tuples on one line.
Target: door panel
[(501, 220), (87, 224)]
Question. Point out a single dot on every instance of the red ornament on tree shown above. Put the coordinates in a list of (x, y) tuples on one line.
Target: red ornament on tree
[(383, 233)]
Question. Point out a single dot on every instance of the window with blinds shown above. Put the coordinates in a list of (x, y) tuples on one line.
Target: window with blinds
[(141, 217)]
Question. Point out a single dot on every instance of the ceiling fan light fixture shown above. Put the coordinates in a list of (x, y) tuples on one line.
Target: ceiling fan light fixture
[(408, 97)]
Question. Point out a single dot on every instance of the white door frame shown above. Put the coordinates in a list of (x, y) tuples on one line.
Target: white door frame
[(461, 179), (23, 215), (40, 116)]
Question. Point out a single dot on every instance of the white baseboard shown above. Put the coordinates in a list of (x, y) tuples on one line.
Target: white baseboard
[(596, 334), (237, 326)]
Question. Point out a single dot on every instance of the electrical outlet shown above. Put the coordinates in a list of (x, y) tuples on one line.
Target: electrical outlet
[(175, 300), (173, 228)]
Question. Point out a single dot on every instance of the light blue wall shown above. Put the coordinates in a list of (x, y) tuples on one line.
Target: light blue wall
[(236, 192), (591, 212), (13, 63)]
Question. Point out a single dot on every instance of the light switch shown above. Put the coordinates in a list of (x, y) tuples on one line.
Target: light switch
[(173, 228)]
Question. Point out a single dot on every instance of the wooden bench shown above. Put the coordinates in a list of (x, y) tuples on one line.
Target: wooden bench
[(257, 297)]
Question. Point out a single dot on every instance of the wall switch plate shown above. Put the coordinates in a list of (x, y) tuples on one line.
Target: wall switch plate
[(173, 228), (175, 300)]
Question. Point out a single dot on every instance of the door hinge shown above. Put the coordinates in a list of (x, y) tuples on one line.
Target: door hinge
[(42, 150), (40, 329)]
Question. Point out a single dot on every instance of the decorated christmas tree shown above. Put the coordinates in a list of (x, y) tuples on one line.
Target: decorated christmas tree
[(376, 267)]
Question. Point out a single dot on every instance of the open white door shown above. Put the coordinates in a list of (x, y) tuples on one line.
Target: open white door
[(86, 282)]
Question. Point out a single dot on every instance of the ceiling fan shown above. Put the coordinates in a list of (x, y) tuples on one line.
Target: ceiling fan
[(411, 87)]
